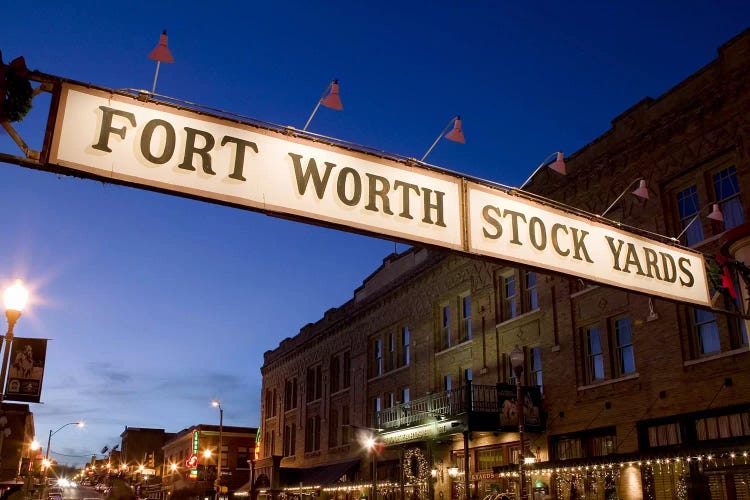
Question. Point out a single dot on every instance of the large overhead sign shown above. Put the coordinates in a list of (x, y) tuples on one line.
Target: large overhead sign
[(123, 139)]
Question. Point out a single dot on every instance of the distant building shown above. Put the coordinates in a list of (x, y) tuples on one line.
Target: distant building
[(630, 396), (188, 466), (16, 436)]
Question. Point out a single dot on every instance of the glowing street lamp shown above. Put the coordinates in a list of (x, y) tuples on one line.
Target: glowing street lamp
[(15, 298)]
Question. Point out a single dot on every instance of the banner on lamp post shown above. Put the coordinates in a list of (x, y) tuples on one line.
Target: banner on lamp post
[(26, 371), (533, 420)]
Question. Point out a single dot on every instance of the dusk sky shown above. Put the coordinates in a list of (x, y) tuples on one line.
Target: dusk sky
[(157, 304)]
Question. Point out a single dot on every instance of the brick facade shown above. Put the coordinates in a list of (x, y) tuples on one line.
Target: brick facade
[(633, 385)]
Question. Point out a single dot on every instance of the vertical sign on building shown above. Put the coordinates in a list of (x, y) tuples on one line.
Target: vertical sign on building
[(194, 472)]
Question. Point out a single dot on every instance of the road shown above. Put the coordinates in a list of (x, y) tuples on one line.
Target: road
[(81, 493)]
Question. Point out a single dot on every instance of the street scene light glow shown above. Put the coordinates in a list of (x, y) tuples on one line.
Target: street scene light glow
[(16, 296)]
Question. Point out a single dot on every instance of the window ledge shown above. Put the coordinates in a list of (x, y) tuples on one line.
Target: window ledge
[(610, 381), (520, 317), (465, 343), (719, 355), (588, 289), (385, 374), (340, 391)]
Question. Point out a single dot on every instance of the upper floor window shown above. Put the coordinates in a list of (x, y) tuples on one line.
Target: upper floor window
[(517, 293), (335, 373), (510, 298), (531, 297), (347, 375), (405, 346), (727, 191), (466, 317), (592, 443), (594, 354), (270, 403), (312, 433), (687, 206), (405, 395), (377, 357), (697, 190), (624, 345), (706, 332), (535, 362), (290, 394), (314, 384), (445, 327)]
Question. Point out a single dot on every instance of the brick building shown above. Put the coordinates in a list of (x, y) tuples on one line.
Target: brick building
[(179, 473), (630, 396)]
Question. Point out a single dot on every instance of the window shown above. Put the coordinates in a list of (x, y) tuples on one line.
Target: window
[(727, 192), (312, 434), (723, 426), (378, 357), (510, 299), (333, 428), (467, 375), (489, 458), (593, 443), (391, 362), (377, 406), (530, 296), (335, 374), (517, 293), (706, 332), (347, 370), (624, 346), (687, 206), (243, 455), (698, 190), (270, 403), (405, 395), (465, 318), (447, 383), (405, 346), (290, 394), (535, 358), (346, 430), (445, 327), (314, 384), (664, 435), (594, 355)]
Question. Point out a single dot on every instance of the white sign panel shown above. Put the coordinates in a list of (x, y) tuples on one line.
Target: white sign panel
[(156, 145), (520, 230), (160, 146)]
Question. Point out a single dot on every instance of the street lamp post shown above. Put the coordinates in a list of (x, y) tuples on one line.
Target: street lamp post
[(15, 298), (517, 359), (217, 404), (372, 446), (49, 441)]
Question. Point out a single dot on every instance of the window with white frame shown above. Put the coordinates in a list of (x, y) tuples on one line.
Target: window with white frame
[(535, 362), (466, 317), (594, 354), (405, 346), (530, 293), (727, 190), (623, 336)]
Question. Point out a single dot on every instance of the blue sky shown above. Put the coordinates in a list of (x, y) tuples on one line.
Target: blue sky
[(155, 304)]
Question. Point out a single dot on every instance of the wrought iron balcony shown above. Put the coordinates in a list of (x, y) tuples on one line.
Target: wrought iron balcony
[(442, 405)]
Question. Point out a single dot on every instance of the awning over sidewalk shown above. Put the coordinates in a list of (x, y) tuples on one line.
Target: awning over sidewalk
[(318, 476)]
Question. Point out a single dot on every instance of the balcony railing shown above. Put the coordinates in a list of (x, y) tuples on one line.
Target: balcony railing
[(446, 404)]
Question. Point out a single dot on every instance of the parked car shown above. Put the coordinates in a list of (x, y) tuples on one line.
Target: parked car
[(54, 494)]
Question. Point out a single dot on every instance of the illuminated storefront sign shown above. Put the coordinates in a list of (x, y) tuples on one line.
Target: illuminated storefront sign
[(194, 467), (419, 433), (120, 138)]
